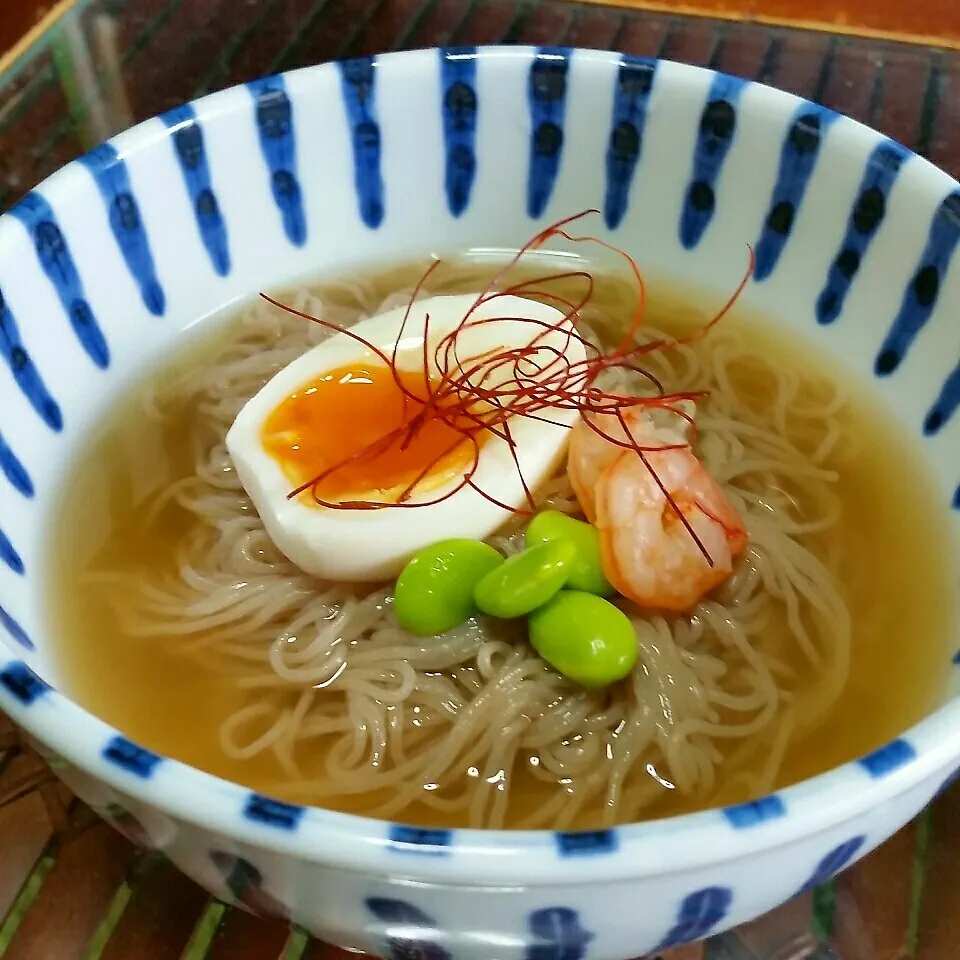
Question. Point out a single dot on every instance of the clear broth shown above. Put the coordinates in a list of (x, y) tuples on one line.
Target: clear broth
[(899, 603)]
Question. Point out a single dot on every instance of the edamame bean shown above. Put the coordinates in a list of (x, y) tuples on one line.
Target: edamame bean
[(585, 638), (525, 581), (587, 570), (434, 591)]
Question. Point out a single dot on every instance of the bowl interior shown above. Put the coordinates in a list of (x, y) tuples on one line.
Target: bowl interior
[(107, 264)]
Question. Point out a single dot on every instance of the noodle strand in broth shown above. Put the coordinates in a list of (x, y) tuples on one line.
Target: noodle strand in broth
[(472, 728)]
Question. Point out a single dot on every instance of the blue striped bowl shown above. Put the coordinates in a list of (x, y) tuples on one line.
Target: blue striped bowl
[(105, 264)]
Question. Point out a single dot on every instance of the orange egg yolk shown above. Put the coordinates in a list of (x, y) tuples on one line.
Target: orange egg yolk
[(346, 426)]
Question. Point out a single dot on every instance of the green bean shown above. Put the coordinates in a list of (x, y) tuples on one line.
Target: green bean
[(587, 570), (434, 591), (525, 581), (585, 638)]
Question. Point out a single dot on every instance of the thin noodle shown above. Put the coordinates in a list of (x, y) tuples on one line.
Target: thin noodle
[(472, 727)]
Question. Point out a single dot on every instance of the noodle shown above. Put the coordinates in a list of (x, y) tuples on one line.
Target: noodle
[(472, 726)]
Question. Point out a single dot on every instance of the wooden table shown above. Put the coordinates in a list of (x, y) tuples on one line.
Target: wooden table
[(73, 889), (920, 21)]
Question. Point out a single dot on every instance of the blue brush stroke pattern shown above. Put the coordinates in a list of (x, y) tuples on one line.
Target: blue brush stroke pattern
[(631, 98), (798, 159), (24, 372), (358, 82), (956, 499), (390, 910), (21, 682), (15, 630), (742, 816), (699, 913), (9, 555), (14, 470), (586, 843), (547, 98), (718, 125), (458, 75), (272, 813), (273, 113), (882, 170), (113, 181), (131, 757), (559, 933), (887, 758), (421, 840), (53, 252), (920, 297), (188, 145), (833, 863), (411, 934), (946, 404)]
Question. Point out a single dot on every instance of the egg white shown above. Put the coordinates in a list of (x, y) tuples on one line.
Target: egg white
[(372, 545)]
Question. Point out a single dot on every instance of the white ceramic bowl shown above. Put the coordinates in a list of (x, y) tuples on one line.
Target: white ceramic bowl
[(105, 264)]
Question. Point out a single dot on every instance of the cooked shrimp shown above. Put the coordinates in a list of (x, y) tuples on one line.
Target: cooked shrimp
[(589, 455), (649, 553)]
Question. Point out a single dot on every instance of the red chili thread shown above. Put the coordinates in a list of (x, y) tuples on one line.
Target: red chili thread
[(483, 392)]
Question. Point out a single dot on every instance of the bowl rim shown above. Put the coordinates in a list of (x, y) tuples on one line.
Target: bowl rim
[(819, 805)]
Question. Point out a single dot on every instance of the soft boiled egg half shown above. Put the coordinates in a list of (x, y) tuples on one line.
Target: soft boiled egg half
[(338, 413)]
